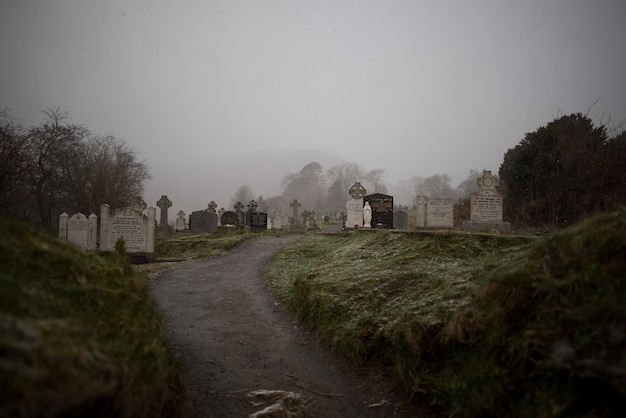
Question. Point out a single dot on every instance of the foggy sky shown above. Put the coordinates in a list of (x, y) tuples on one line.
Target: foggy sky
[(413, 87)]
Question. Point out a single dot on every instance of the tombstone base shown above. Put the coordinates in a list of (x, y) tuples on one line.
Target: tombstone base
[(504, 227)]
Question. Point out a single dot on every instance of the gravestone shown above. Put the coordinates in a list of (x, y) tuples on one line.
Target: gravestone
[(199, 222), (211, 207), (241, 218), (486, 207), (219, 216), (257, 221), (354, 206), (382, 209), (294, 225), (277, 221), (79, 230), (434, 212), (133, 226), (229, 219), (401, 220), (164, 204), (180, 221)]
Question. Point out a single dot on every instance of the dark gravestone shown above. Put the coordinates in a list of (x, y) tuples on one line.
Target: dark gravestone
[(401, 220), (382, 209), (212, 222), (229, 218), (257, 221), (199, 222)]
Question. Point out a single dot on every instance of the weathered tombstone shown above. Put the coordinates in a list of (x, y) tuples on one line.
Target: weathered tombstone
[(486, 207), (211, 207), (294, 225), (434, 212), (241, 218), (79, 230), (382, 209), (229, 219), (180, 221), (199, 222), (164, 204), (133, 226), (354, 206), (219, 216), (252, 205), (258, 221), (277, 221), (401, 220)]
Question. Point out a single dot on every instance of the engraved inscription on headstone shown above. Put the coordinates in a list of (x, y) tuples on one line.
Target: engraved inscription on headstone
[(486, 207), (138, 230), (486, 202), (439, 212)]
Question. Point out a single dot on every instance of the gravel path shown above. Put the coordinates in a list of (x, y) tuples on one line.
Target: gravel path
[(245, 354)]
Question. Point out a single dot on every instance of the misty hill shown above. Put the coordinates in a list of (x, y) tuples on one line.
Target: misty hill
[(193, 186)]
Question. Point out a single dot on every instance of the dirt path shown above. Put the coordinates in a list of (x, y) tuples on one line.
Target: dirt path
[(228, 330)]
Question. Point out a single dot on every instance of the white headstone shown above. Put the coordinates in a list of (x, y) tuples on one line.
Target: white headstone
[(354, 213), (79, 230), (136, 229)]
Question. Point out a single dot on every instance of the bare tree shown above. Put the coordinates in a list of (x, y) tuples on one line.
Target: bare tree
[(437, 185), (48, 148), (12, 162), (375, 179), (243, 194)]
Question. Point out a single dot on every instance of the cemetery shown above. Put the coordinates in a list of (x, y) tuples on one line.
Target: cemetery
[(136, 224)]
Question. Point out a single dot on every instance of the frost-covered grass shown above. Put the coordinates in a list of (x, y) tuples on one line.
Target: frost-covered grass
[(478, 325)]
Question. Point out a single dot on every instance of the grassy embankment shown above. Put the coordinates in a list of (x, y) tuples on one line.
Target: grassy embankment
[(79, 334), (477, 325)]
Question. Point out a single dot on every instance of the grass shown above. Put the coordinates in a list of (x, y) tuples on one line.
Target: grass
[(79, 334), (478, 325), (185, 246)]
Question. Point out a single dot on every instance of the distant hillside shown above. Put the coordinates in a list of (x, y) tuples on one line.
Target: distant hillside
[(193, 187)]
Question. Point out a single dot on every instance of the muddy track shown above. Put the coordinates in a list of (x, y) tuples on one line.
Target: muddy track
[(234, 338)]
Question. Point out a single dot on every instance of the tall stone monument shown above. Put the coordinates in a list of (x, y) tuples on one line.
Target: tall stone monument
[(486, 207), (354, 206), (294, 225), (164, 230)]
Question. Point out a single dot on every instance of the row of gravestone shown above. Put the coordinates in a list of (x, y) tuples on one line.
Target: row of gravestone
[(377, 210), (368, 211), (130, 224)]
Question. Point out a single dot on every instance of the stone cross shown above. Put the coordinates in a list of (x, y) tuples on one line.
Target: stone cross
[(238, 207), (164, 203), (212, 207), (295, 205), (252, 206), (357, 191)]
